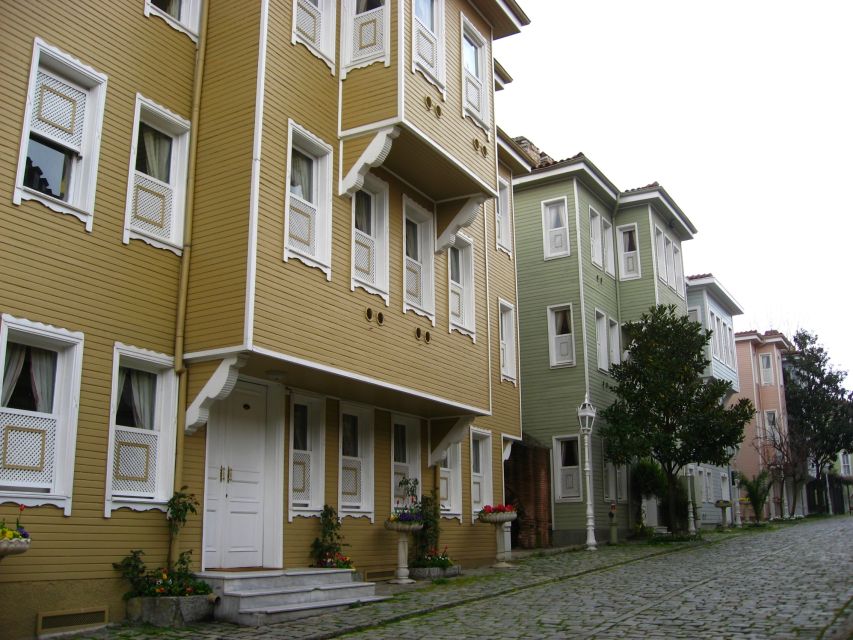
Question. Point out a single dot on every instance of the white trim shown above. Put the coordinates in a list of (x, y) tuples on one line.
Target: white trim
[(354, 132), (572, 168), (550, 311), (556, 459), (658, 196), (486, 468), (546, 229), (373, 156), (581, 285), (348, 63), (481, 117), (602, 340), (317, 434), (468, 326), (218, 387), (454, 482), (366, 439), (505, 375), (505, 226), (620, 251), (326, 49), (379, 191), (425, 221), (465, 217), (436, 77), (187, 24)]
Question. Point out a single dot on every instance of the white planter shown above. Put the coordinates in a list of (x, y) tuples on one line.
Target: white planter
[(498, 518), (13, 547)]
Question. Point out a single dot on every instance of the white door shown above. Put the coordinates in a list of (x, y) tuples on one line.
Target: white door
[(234, 514)]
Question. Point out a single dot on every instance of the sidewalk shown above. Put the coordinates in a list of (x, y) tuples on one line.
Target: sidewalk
[(531, 568)]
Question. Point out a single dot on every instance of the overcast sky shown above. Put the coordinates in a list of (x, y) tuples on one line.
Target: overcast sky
[(742, 110)]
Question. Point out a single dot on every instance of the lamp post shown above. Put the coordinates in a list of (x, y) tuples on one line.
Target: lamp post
[(691, 525), (586, 416)]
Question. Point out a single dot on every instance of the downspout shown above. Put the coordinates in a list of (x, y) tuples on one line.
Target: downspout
[(186, 254)]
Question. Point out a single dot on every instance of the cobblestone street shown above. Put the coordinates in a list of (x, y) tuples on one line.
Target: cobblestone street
[(793, 582)]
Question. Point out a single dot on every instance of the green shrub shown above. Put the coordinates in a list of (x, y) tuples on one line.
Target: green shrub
[(162, 582), (327, 550)]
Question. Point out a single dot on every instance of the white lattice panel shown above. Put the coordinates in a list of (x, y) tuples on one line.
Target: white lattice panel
[(27, 449), (473, 92), (571, 483), (414, 282), (152, 206), (351, 481), (309, 22), (457, 308), (301, 481), (59, 111), (425, 47), (368, 38), (135, 462), (364, 257), (302, 227)]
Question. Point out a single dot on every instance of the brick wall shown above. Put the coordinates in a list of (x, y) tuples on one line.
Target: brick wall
[(528, 487)]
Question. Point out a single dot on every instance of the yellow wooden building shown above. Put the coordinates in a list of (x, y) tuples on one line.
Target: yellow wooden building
[(263, 249)]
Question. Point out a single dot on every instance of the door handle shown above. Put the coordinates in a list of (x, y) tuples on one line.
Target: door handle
[(229, 474), (221, 473)]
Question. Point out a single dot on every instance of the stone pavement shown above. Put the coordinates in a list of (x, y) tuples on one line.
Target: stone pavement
[(793, 582)]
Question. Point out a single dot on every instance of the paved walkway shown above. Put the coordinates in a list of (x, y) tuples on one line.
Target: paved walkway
[(793, 582)]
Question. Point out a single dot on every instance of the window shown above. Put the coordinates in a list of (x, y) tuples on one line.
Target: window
[(693, 314), (679, 271), (567, 466), (450, 481), (428, 40), (180, 14), (60, 143), (561, 344), (845, 463), (615, 482), (481, 470), (418, 243), (157, 179), (725, 487), (308, 200), (718, 336), (460, 258), (771, 430), (596, 250), (609, 258), (506, 314), (766, 368), (613, 341), (556, 228), (660, 254), (670, 261), (405, 453), (307, 455), (370, 237), (503, 218), (356, 470), (314, 26), (475, 85), (365, 29), (629, 252), (601, 340), (732, 350), (141, 457), (708, 491), (38, 412)]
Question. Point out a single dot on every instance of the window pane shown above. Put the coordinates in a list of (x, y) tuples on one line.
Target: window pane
[(349, 436), (424, 13), (454, 266), (629, 240), (364, 212), (400, 443), (48, 168), (412, 248), (569, 453), (362, 6), (302, 176), (153, 153), (556, 216), (476, 445), (137, 399), (444, 463), (172, 7), (562, 322), (29, 378), (470, 55), (300, 427)]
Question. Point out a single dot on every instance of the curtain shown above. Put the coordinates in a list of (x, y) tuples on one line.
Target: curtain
[(157, 148), (43, 373), (172, 7), (361, 6), (424, 13), (122, 379), (412, 247), (15, 354), (143, 385), (363, 207), (301, 176)]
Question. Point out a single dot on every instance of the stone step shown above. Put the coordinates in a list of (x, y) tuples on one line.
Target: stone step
[(224, 582), (257, 617), (271, 597)]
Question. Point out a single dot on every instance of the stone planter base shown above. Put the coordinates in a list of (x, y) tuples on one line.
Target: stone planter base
[(170, 611), (13, 547), (430, 573)]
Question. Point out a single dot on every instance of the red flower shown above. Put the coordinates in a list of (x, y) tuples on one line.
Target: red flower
[(487, 508)]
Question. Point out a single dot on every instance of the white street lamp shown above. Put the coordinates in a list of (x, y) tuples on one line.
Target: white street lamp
[(691, 525), (586, 417)]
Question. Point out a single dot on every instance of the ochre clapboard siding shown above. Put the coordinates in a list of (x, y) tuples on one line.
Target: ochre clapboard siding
[(216, 302), (352, 150)]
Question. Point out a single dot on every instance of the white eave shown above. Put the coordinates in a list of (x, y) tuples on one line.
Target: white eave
[(718, 292), (566, 169)]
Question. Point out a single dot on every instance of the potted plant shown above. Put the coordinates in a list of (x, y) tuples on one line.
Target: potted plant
[(327, 550), (497, 514), (435, 564), (407, 515), (429, 562), (13, 541), (169, 596)]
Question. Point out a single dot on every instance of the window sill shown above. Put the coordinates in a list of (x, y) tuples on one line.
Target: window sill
[(505, 249), (37, 500), (303, 512), (508, 378), (319, 53), (355, 513), (629, 277), (134, 504), (133, 234), (464, 331), (371, 289), (479, 121), (554, 256), (419, 311), (449, 515), (432, 79), (310, 261), (563, 365), (151, 10), (54, 204), (568, 500)]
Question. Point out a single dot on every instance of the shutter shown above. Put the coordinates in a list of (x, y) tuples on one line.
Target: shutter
[(457, 303), (426, 47), (152, 206), (570, 486), (302, 226), (414, 282), (364, 256), (59, 111), (474, 93), (621, 483), (309, 22), (558, 240), (135, 462), (368, 34), (351, 482), (28, 447), (563, 349), (301, 480)]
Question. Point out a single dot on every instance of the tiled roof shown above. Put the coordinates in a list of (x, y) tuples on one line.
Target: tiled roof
[(653, 185), (547, 161), (700, 276)]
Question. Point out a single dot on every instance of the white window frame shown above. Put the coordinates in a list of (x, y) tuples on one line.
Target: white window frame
[(679, 270), (553, 350), (365, 417), (547, 231), (771, 424), (607, 247), (480, 114), (426, 252), (614, 332), (620, 243), (69, 348), (80, 202), (709, 489), (466, 324), (766, 372), (321, 153), (725, 487), (602, 353), (557, 451), (412, 467), (435, 74), (322, 42), (508, 353), (697, 317), (378, 190), (482, 439), (732, 349), (187, 22), (660, 254), (356, 54), (178, 128), (452, 476), (503, 218), (596, 247), (166, 407), (669, 247), (316, 433), (615, 483), (845, 463), (715, 336)]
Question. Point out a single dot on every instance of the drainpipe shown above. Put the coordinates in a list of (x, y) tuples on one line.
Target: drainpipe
[(183, 283)]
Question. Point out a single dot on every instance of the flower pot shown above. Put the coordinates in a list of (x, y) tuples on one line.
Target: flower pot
[(170, 611), (497, 517), (430, 573), (14, 547), (403, 527)]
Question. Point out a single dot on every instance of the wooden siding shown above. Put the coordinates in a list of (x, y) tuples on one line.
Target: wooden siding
[(637, 296), (451, 132), (352, 150), (216, 303)]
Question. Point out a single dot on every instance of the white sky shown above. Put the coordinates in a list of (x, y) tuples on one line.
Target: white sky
[(741, 109)]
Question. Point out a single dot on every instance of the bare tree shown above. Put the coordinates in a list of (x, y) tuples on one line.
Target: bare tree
[(784, 451)]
